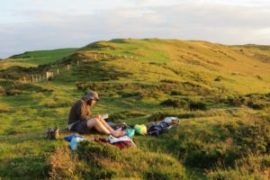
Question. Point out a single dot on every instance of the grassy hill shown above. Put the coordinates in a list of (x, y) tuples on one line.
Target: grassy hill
[(221, 93), (35, 58)]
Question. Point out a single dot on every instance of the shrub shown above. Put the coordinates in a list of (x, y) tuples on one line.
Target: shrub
[(31, 87), (130, 94), (61, 165), (257, 101), (13, 92), (99, 71), (250, 167), (176, 103), (208, 143), (201, 155), (108, 162), (196, 105), (254, 101), (169, 81), (2, 91), (91, 151), (206, 146), (15, 88), (162, 174), (219, 78), (235, 101), (185, 103), (176, 93), (257, 104)]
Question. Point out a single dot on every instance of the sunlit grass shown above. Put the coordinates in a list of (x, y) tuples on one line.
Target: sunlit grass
[(205, 84)]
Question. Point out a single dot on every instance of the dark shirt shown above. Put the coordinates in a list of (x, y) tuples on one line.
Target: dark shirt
[(79, 112)]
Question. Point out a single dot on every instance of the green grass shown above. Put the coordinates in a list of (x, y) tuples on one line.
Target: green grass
[(36, 58), (43, 56), (220, 93)]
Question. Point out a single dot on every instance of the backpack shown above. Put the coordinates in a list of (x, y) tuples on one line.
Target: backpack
[(158, 129)]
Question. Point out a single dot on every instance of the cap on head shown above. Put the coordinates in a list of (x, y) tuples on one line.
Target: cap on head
[(90, 95)]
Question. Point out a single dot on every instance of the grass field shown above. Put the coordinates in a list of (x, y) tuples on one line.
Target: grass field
[(35, 58), (220, 93)]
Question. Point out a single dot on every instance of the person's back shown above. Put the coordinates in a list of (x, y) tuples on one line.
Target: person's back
[(79, 112)]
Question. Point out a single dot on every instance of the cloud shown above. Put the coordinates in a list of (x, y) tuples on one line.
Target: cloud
[(230, 22)]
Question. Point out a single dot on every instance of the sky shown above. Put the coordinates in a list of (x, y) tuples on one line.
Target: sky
[(27, 25)]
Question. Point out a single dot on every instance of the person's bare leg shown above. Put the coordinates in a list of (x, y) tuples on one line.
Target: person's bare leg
[(116, 132), (99, 126), (94, 123), (105, 124)]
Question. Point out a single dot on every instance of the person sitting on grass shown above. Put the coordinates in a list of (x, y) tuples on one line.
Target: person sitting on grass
[(81, 121)]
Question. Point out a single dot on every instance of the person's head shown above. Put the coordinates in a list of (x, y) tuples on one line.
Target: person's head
[(90, 97)]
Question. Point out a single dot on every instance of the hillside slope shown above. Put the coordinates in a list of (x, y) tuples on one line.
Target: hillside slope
[(220, 93), (238, 69)]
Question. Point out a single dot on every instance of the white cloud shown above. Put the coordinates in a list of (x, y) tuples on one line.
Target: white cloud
[(41, 26)]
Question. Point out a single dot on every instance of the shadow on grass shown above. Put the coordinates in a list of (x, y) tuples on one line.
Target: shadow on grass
[(24, 167)]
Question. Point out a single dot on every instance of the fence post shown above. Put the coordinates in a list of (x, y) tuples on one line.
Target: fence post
[(24, 79), (49, 75)]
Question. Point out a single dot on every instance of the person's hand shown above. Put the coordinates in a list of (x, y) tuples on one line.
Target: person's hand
[(98, 116)]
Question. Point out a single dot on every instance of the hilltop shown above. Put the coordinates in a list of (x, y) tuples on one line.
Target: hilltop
[(35, 58), (242, 69), (221, 94)]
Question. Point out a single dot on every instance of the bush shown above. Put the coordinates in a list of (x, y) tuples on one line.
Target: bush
[(13, 92), (29, 87), (2, 91), (176, 93), (90, 151), (185, 103), (206, 145), (108, 162), (235, 101), (11, 88), (161, 174), (218, 78), (250, 167), (196, 105), (169, 81), (130, 94), (257, 105), (61, 165), (198, 154), (176, 103)]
